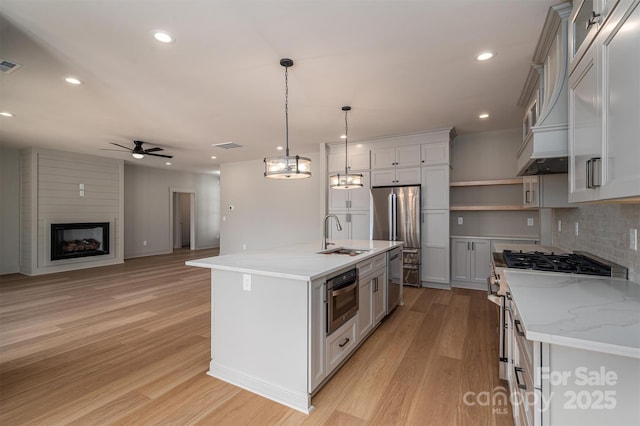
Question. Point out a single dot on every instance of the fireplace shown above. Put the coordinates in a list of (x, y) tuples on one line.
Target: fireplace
[(70, 240)]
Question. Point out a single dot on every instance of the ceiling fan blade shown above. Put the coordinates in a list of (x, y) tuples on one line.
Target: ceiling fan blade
[(160, 155), (116, 150), (121, 146), (153, 150)]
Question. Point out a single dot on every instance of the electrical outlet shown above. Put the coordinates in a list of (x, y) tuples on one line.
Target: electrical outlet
[(577, 229), (246, 282), (529, 221), (559, 225), (144, 243), (460, 221), (633, 239)]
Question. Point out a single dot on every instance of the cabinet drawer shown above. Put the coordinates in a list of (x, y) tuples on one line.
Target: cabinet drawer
[(366, 267), (340, 344)]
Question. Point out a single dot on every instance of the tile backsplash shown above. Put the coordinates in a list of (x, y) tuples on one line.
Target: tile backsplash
[(602, 230)]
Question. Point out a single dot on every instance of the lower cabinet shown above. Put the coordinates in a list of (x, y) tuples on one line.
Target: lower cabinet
[(372, 296), (317, 331), (435, 246), (470, 259), (341, 343)]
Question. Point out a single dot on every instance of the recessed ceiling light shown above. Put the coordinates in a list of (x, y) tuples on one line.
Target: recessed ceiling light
[(279, 148), (73, 80), (167, 163), (343, 136), (213, 157), (485, 56), (163, 37), (484, 116), (6, 114)]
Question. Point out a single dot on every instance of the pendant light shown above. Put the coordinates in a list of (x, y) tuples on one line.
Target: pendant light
[(348, 180), (287, 167)]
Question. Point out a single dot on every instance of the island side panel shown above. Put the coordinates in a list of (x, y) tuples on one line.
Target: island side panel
[(259, 336)]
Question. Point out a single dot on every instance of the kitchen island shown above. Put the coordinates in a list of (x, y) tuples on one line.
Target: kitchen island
[(268, 317)]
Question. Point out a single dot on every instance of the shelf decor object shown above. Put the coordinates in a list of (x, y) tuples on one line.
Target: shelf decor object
[(287, 166), (347, 180)]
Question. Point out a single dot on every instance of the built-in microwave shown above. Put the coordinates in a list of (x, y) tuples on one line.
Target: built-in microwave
[(342, 299)]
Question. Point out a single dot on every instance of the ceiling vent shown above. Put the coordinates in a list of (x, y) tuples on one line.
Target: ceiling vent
[(226, 145), (7, 67)]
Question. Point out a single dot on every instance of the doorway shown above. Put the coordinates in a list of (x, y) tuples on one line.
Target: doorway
[(183, 219)]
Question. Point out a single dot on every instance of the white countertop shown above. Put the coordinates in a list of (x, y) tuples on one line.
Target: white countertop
[(299, 261), (581, 311)]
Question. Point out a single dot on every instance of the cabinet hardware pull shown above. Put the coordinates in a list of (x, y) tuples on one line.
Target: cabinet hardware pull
[(519, 331), (526, 197), (596, 172), (589, 178), (593, 20), (473, 246), (520, 384), (468, 246), (346, 340)]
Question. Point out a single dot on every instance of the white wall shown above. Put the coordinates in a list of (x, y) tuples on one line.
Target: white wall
[(148, 205), (266, 212), (9, 211)]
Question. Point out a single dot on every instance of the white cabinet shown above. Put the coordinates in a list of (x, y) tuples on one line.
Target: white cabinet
[(351, 199), (586, 19), (358, 159), (379, 295), (341, 343), (401, 156), (470, 258), (435, 187), (435, 246), (530, 191), (604, 111), (373, 293), (435, 153), (398, 176), (355, 226), (365, 311)]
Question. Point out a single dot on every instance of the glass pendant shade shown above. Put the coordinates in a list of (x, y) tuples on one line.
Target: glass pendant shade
[(346, 180), (287, 167)]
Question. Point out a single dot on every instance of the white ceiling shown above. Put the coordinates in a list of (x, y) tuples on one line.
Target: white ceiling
[(403, 66)]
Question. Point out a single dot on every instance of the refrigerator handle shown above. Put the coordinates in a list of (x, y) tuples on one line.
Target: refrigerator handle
[(394, 208), (390, 205)]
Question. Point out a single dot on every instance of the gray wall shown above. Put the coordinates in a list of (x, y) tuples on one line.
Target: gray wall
[(148, 208), (603, 231), (486, 155), (9, 211), (267, 213)]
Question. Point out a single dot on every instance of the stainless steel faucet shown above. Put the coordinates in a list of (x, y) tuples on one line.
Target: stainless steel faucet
[(326, 230)]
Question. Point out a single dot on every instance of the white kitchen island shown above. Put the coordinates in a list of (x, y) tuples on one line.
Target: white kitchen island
[(268, 318)]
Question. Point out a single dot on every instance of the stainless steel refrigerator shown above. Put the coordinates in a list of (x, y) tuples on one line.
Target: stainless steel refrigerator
[(396, 217)]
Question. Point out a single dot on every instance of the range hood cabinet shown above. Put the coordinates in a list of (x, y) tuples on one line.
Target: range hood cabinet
[(545, 98)]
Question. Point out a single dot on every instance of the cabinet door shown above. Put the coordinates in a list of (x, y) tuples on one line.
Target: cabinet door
[(359, 199), (410, 176), (408, 155), (480, 259), (585, 137), (317, 368), (435, 153), (435, 187), (365, 313), (335, 160), (334, 234), (621, 104), (383, 158), (338, 199), (379, 295), (460, 260), (435, 246), (358, 159), (383, 177), (359, 225)]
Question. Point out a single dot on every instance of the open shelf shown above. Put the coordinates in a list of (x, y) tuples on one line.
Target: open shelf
[(513, 181)]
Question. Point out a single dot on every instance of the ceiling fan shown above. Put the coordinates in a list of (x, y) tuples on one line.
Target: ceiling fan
[(138, 152)]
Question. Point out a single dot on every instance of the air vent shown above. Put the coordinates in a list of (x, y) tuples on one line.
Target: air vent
[(7, 67), (226, 145)]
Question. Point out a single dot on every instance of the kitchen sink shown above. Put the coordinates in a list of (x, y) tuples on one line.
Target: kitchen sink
[(345, 251)]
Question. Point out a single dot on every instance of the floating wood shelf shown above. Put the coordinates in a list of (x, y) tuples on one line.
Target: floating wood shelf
[(514, 181), (490, 208)]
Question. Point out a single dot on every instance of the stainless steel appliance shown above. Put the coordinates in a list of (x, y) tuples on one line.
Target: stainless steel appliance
[(396, 217), (394, 278), (342, 299), (550, 261)]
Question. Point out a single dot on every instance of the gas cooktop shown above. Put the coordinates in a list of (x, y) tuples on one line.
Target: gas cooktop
[(572, 263)]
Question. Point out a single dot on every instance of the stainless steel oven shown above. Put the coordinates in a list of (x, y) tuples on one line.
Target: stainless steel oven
[(342, 299)]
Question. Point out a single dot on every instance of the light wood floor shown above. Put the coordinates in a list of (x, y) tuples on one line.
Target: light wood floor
[(129, 344)]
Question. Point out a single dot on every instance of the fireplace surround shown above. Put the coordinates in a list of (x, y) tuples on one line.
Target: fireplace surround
[(71, 240)]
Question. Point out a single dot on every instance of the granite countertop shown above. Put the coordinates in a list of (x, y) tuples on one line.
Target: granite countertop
[(299, 261), (580, 311)]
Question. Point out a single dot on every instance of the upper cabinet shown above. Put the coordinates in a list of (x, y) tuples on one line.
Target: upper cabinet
[(402, 156), (544, 100), (435, 153), (587, 18), (358, 159), (604, 109)]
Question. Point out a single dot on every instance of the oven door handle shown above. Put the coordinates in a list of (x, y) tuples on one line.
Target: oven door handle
[(343, 290)]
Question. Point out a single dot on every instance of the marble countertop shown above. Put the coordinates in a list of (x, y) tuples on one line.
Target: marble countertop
[(581, 311), (299, 261)]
